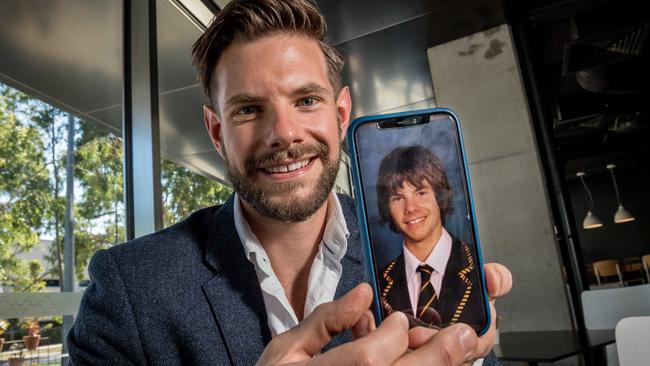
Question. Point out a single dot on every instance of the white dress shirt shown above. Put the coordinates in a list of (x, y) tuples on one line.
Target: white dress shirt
[(324, 275), (437, 260)]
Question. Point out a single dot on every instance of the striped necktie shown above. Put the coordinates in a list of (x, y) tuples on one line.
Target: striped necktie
[(427, 297)]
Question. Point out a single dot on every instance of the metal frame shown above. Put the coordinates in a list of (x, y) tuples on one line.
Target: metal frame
[(142, 186)]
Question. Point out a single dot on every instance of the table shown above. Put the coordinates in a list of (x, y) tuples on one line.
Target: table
[(550, 346)]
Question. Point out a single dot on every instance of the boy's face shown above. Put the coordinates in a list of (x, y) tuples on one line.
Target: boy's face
[(415, 212), (279, 124)]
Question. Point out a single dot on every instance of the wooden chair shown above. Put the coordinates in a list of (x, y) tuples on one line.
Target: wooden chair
[(645, 260), (607, 268), (632, 270)]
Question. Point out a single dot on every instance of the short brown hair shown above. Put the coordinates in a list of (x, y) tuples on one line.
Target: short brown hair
[(414, 164), (248, 20)]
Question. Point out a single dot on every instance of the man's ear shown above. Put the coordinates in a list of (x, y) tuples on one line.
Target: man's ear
[(343, 109), (213, 125)]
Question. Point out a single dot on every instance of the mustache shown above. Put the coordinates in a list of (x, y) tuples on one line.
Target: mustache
[(252, 164)]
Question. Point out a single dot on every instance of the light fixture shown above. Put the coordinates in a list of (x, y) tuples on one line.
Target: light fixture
[(590, 221), (622, 215)]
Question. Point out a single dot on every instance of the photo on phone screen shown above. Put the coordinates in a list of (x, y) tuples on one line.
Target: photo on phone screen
[(419, 221)]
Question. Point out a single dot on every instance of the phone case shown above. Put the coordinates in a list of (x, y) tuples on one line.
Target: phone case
[(364, 225)]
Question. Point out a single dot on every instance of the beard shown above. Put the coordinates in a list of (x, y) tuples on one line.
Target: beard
[(284, 208)]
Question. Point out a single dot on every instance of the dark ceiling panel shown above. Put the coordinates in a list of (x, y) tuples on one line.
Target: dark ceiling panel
[(389, 68), (176, 35), (181, 123), (68, 50), (354, 18)]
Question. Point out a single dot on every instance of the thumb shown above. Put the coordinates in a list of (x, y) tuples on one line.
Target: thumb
[(310, 336)]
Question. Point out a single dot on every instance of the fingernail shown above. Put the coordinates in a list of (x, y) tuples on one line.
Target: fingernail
[(403, 320), (468, 341)]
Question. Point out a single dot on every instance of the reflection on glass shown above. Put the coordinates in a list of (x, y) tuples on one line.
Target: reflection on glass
[(185, 192)]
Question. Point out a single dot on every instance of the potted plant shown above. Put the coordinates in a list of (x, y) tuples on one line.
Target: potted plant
[(33, 337), (16, 358), (4, 325)]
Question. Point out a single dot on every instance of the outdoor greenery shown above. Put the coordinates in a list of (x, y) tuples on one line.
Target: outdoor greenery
[(33, 164)]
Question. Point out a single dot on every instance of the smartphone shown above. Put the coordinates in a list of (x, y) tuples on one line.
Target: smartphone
[(421, 246)]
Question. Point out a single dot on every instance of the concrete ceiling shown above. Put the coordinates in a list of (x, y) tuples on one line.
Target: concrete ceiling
[(69, 53)]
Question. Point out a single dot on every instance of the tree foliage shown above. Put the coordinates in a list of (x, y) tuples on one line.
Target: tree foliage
[(185, 191), (25, 196), (32, 186)]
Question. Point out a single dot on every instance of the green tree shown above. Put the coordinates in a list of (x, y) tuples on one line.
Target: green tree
[(99, 219), (25, 197), (185, 191), (32, 181)]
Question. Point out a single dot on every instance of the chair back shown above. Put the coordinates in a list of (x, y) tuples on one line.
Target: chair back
[(606, 268), (632, 341), (645, 260), (603, 309)]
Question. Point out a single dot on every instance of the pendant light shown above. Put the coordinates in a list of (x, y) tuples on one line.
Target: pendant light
[(622, 215), (590, 221)]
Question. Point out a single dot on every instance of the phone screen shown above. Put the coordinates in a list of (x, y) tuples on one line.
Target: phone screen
[(419, 221)]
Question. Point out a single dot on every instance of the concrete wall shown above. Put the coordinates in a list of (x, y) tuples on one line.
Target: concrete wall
[(478, 76)]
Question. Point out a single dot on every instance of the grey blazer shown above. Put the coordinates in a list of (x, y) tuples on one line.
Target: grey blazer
[(184, 295)]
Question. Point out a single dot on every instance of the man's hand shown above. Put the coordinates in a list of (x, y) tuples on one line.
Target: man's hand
[(390, 342), (380, 347), (460, 338)]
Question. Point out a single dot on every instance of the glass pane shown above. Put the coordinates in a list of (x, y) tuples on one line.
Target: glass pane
[(60, 83), (191, 170)]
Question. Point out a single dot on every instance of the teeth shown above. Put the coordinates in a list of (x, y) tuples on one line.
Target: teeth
[(288, 168), (412, 222)]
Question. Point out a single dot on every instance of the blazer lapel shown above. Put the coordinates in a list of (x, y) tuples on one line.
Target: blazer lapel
[(396, 288), (234, 293), (456, 284)]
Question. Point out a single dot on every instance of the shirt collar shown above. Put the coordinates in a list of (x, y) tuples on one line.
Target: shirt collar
[(334, 236), (437, 259)]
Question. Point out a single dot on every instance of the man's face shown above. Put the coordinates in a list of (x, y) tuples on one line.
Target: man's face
[(279, 124), (415, 212)]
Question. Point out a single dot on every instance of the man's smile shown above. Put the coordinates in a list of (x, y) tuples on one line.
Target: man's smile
[(288, 167), (289, 170), (416, 220)]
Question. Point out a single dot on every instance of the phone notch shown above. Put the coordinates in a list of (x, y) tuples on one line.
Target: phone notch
[(407, 121)]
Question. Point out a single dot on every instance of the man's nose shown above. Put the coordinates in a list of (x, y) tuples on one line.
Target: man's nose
[(410, 205), (285, 128)]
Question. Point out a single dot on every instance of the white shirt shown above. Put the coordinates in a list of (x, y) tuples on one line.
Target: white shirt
[(437, 260), (324, 275)]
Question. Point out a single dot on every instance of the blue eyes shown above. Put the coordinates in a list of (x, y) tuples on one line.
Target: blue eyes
[(247, 110), (307, 102), (252, 109)]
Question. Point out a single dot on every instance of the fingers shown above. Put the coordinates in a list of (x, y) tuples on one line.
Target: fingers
[(329, 319), (364, 326), (419, 336), (381, 347), (486, 341), (454, 345), (498, 278), (303, 341)]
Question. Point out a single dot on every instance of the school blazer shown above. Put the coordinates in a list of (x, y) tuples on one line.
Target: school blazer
[(460, 297)]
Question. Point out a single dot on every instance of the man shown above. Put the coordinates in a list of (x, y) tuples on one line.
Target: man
[(253, 280), (435, 270)]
